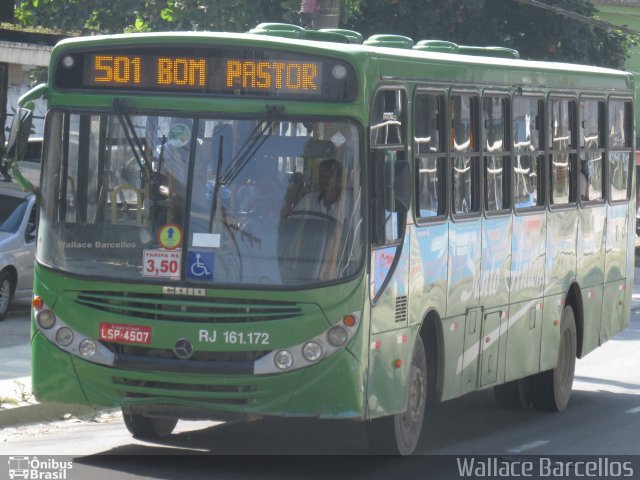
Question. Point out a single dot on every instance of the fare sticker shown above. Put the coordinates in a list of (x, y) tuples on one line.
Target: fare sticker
[(170, 236)]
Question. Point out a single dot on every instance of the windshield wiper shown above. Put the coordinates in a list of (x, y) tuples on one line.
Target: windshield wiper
[(216, 187), (252, 144)]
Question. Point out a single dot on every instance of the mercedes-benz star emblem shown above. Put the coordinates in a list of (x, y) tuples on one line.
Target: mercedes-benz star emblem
[(183, 349)]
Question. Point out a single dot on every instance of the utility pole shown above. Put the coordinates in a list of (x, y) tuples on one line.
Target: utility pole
[(317, 14)]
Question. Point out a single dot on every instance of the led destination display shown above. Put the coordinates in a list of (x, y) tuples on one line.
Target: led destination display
[(184, 72), (213, 71)]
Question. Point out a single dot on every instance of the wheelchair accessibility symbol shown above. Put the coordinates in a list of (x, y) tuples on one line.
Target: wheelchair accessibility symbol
[(200, 265)]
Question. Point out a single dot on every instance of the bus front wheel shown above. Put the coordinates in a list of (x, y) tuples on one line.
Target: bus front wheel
[(399, 434), (148, 427), (552, 389)]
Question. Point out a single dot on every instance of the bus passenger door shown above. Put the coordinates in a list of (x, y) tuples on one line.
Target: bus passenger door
[(390, 254), (390, 198), (391, 341)]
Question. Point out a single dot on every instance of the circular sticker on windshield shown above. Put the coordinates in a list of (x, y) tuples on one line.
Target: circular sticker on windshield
[(170, 236), (179, 135)]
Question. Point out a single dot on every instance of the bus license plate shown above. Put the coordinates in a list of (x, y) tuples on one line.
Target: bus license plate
[(122, 333)]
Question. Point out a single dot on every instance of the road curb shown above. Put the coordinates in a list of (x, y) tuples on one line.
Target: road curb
[(41, 412)]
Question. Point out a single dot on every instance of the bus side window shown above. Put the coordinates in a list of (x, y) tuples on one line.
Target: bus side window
[(527, 130), (620, 138), (495, 153), (463, 110), (387, 140), (430, 150), (387, 119), (592, 128), (563, 155)]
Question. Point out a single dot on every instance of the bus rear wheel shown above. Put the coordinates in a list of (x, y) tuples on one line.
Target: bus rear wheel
[(399, 434), (552, 389), (148, 427)]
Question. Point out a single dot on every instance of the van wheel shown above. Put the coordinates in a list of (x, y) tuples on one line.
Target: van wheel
[(399, 434), (148, 427), (6, 291), (552, 389)]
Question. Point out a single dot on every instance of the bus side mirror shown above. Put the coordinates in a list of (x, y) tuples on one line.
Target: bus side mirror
[(19, 135)]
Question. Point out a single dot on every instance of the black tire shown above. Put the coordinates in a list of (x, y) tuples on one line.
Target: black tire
[(6, 293), (148, 427), (514, 395), (399, 434), (552, 389)]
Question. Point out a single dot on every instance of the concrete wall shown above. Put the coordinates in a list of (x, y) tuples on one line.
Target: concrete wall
[(18, 86), (22, 58)]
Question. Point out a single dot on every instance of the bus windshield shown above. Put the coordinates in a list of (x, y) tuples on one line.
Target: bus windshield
[(207, 200)]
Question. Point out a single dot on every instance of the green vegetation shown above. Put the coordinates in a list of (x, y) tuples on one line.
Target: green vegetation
[(159, 15), (537, 33)]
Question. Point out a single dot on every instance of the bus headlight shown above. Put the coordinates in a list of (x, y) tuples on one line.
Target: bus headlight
[(283, 360), (312, 351), (56, 331), (64, 336), (87, 348), (46, 319), (337, 336)]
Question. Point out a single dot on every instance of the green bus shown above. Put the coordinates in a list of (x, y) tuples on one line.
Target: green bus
[(304, 224)]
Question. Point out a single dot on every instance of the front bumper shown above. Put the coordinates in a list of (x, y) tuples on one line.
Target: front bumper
[(333, 388)]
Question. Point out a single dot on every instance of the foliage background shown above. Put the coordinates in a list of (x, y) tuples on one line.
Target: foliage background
[(534, 32)]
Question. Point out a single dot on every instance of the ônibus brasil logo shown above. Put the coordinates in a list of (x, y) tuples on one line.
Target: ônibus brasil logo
[(34, 469)]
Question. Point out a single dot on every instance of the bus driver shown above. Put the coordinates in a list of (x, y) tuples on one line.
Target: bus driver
[(327, 200)]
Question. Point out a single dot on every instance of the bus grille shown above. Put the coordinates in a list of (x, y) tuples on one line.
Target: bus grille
[(192, 309), (219, 394), (146, 352)]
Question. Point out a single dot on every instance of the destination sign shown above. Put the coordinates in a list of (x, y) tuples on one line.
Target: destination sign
[(186, 72), (211, 71)]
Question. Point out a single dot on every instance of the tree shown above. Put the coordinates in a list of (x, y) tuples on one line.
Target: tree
[(535, 32), (119, 16)]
